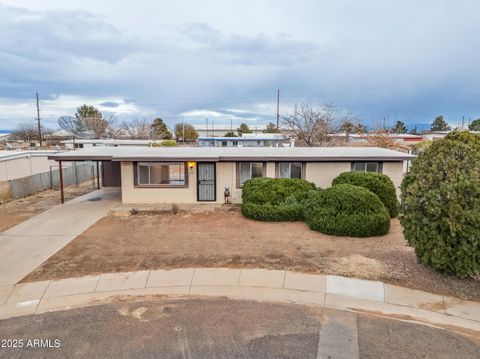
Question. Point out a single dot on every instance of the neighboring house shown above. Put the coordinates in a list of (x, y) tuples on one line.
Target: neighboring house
[(18, 164), (213, 130), (81, 143), (196, 174), (403, 138), (437, 135), (247, 140), (55, 138)]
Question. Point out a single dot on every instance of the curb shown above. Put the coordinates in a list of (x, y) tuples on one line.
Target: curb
[(329, 291)]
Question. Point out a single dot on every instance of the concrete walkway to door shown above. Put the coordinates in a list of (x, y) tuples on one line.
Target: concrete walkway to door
[(27, 245)]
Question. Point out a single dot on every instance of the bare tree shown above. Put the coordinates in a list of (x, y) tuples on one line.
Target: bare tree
[(314, 125), (112, 129), (137, 129), (28, 132), (383, 138)]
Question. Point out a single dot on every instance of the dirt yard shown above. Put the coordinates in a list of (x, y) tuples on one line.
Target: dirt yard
[(18, 210), (123, 242)]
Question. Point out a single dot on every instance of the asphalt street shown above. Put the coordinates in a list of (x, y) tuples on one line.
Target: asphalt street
[(221, 328)]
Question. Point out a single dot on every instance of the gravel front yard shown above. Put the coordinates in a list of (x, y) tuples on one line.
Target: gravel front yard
[(224, 238)]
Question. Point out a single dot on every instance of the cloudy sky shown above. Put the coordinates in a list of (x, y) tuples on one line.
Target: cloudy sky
[(224, 60)]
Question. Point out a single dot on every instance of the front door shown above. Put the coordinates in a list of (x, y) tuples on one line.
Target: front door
[(206, 176)]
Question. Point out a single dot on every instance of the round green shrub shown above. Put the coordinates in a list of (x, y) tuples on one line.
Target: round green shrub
[(378, 183), (346, 210), (274, 199), (441, 204), (273, 213), (274, 191)]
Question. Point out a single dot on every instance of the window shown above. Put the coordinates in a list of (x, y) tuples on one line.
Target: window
[(248, 170), (289, 170), (161, 174), (366, 167)]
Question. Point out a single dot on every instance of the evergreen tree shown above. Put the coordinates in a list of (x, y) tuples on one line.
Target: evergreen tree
[(349, 127), (160, 130), (243, 129), (90, 119), (474, 125), (399, 127), (271, 128), (439, 124), (185, 132), (440, 201)]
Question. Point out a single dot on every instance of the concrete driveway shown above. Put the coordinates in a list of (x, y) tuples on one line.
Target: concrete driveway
[(27, 245), (221, 328)]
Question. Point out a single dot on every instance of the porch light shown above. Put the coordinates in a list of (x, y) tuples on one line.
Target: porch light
[(191, 165)]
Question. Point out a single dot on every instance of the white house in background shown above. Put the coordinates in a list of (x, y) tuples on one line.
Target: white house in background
[(81, 143), (247, 140), (214, 130)]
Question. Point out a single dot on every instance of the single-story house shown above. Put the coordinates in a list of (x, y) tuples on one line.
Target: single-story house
[(200, 174), (213, 130), (84, 143)]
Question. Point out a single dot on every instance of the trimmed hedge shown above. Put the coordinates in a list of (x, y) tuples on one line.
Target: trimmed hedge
[(378, 183), (441, 205), (346, 210), (274, 199)]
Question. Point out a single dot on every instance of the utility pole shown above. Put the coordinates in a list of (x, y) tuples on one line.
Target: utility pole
[(278, 109), (38, 122)]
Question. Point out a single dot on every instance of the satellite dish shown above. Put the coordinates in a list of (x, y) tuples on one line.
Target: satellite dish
[(76, 126)]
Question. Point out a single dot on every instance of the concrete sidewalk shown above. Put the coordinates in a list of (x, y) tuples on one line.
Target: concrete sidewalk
[(254, 284), (27, 245)]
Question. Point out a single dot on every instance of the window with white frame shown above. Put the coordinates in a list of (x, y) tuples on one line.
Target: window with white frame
[(249, 170), (161, 174), (366, 167), (289, 170)]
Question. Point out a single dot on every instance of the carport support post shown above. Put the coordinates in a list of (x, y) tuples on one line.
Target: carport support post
[(98, 176), (61, 182)]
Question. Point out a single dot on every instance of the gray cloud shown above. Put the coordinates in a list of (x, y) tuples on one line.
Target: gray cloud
[(402, 59), (55, 50), (259, 49), (111, 104)]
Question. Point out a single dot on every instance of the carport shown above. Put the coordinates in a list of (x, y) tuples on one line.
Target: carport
[(110, 171)]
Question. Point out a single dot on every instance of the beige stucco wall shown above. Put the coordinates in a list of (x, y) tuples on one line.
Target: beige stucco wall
[(323, 173), (320, 173), (394, 170)]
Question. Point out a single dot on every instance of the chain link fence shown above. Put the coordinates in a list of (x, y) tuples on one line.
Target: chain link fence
[(73, 175)]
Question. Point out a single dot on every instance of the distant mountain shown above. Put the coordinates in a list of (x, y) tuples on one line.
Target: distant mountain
[(5, 131)]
